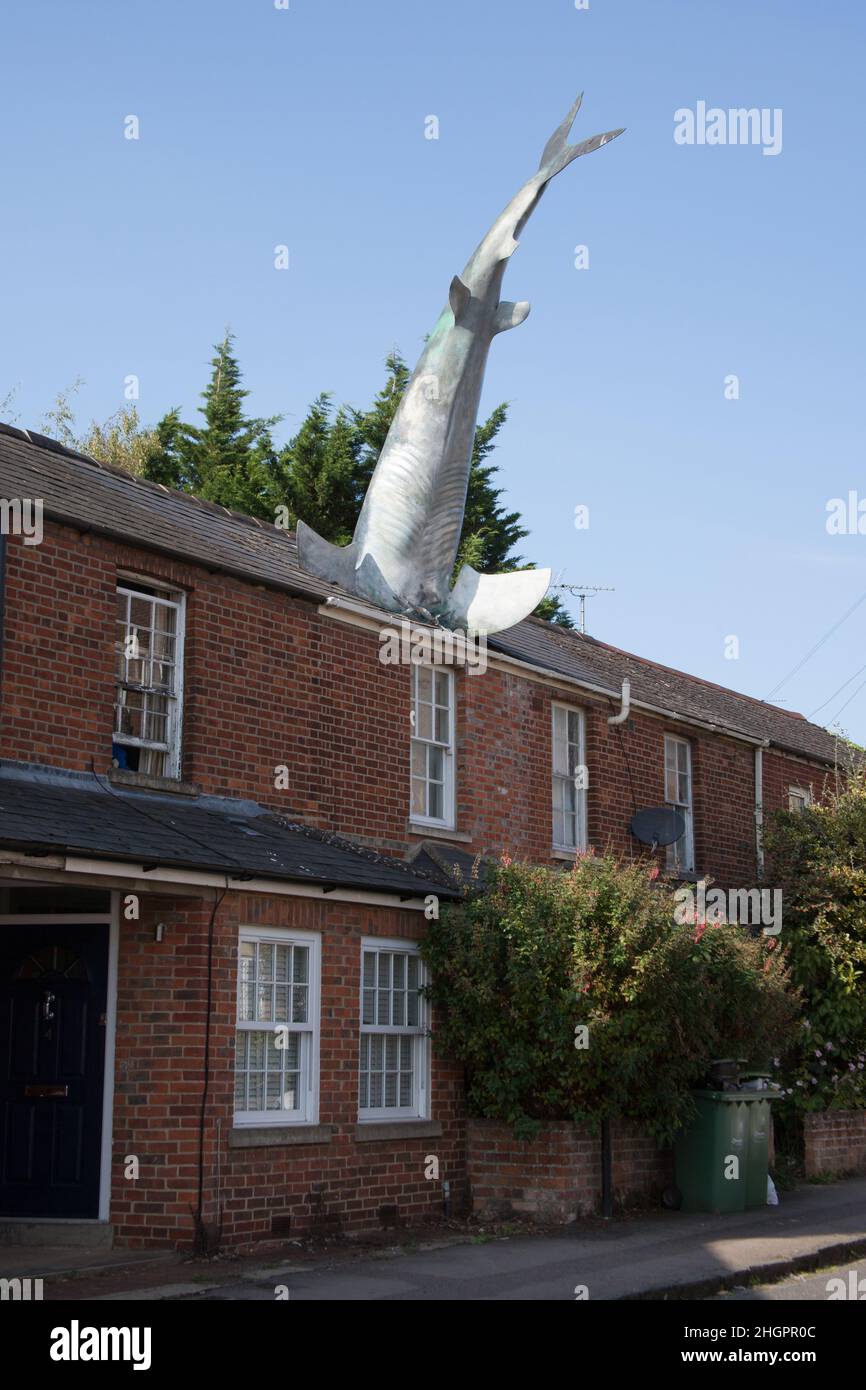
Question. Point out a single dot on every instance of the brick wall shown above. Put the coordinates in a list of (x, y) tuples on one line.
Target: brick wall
[(270, 681), (835, 1142), (557, 1176), (158, 1087)]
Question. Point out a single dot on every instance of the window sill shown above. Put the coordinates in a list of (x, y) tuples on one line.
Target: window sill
[(437, 832), (569, 854), (369, 1131), (122, 777), (277, 1136)]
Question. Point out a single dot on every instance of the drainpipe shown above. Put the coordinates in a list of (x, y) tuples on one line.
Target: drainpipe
[(759, 807), (2, 596)]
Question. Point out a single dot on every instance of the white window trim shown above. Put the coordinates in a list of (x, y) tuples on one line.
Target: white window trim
[(421, 1058), (448, 821), (804, 792), (177, 597), (581, 791), (309, 1052), (687, 811)]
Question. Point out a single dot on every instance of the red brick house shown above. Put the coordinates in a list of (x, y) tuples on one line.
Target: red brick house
[(222, 820)]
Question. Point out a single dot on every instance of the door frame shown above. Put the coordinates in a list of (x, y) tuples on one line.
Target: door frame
[(111, 919)]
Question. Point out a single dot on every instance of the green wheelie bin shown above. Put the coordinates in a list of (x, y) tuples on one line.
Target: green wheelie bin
[(730, 1125)]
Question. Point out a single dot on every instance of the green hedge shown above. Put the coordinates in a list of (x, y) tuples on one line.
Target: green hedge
[(517, 969)]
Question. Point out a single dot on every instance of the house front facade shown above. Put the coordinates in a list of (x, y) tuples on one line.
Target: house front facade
[(227, 816)]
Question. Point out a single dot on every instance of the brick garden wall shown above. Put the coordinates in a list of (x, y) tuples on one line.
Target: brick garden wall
[(835, 1142), (557, 1176)]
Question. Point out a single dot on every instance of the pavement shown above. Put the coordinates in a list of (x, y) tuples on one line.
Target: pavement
[(662, 1255), (838, 1283)]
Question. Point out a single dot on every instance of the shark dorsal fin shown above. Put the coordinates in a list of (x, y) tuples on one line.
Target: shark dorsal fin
[(459, 296), (509, 315)]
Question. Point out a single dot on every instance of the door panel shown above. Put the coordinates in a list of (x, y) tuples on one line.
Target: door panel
[(53, 986)]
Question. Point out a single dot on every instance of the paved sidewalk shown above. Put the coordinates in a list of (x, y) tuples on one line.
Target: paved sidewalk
[(664, 1254)]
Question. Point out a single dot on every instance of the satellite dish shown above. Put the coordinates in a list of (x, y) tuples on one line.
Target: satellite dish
[(658, 825)]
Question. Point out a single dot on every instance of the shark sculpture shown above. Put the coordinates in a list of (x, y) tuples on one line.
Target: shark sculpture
[(405, 545)]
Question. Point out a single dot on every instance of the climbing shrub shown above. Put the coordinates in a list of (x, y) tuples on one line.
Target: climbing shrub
[(818, 859)]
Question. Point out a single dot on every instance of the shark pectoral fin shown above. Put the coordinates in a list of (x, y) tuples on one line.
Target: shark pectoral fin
[(333, 563), (336, 564), (370, 583), (485, 603), (459, 296), (509, 315)]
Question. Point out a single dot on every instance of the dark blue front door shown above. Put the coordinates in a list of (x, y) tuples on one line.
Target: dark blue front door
[(53, 997)]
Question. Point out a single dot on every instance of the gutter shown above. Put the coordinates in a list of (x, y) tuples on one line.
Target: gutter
[(134, 871), (375, 619)]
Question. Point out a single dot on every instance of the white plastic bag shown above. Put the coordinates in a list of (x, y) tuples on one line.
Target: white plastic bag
[(772, 1194)]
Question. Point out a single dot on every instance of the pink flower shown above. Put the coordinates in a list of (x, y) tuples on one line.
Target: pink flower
[(653, 873)]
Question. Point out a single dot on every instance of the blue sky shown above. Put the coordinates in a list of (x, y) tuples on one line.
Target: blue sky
[(305, 127)]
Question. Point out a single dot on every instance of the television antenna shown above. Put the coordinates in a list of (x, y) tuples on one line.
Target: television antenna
[(583, 592)]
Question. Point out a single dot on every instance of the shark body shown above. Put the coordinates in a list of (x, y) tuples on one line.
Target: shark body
[(405, 544)]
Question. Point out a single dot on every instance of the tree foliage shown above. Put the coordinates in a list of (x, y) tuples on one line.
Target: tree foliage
[(320, 475)]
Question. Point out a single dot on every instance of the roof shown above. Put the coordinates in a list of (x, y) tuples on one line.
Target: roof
[(460, 866), (46, 811), (81, 492), (585, 658)]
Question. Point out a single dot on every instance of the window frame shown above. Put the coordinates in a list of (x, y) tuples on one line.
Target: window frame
[(421, 1050), (448, 819), (687, 809), (168, 596), (580, 792), (311, 1030), (805, 793)]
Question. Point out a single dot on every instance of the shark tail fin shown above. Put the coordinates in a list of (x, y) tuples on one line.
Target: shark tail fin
[(558, 154)]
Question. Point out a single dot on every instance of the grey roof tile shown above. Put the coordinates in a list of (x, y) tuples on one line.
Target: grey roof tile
[(46, 811)]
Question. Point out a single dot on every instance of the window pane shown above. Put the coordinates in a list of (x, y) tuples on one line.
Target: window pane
[(443, 689), (424, 721), (369, 968), (300, 1003), (436, 801), (246, 1003), (424, 683), (281, 1004), (282, 962)]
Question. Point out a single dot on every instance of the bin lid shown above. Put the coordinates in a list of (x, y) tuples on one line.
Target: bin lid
[(734, 1096)]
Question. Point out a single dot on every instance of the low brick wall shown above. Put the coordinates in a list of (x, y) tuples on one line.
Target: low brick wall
[(557, 1176), (835, 1142)]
